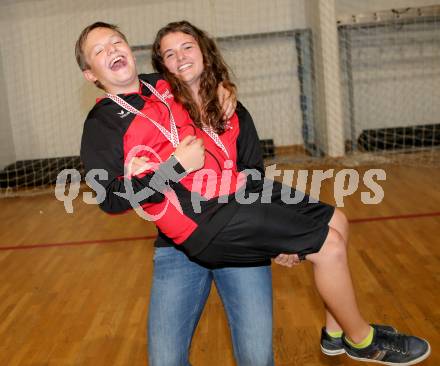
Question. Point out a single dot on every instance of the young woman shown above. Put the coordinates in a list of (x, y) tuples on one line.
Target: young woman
[(229, 233)]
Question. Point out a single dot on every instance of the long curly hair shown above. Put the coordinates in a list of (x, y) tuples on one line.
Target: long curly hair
[(215, 72)]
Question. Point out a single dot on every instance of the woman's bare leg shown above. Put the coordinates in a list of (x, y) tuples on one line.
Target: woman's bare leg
[(333, 280), (338, 222)]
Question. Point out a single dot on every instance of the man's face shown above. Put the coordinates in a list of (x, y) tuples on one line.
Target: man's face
[(110, 61)]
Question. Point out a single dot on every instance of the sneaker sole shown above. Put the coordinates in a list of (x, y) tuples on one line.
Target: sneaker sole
[(412, 362), (329, 352)]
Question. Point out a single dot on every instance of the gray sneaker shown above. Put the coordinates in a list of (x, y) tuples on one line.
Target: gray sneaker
[(332, 346), (391, 349)]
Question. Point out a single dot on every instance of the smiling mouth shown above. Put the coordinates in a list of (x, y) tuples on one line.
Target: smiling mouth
[(117, 63), (184, 67)]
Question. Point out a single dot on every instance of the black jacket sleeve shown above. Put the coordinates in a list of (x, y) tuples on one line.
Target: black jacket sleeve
[(102, 149), (249, 153)]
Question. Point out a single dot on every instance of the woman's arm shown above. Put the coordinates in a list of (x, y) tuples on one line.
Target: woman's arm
[(228, 101), (249, 153)]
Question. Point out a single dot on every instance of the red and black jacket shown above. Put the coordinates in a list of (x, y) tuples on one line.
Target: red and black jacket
[(110, 133)]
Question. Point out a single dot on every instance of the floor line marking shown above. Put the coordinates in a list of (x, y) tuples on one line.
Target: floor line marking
[(152, 237), (77, 243)]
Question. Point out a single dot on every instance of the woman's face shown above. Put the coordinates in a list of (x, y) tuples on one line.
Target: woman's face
[(182, 57)]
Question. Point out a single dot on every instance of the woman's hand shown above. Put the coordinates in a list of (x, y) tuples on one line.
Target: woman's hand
[(288, 260), (190, 153), (228, 101)]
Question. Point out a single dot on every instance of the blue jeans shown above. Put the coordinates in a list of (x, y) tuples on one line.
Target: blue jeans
[(178, 295)]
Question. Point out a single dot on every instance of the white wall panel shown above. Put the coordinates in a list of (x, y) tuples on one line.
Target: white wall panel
[(353, 7), (45, 88)]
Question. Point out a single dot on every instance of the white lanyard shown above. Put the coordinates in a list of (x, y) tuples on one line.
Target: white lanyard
[(172, 135), (214, 137)]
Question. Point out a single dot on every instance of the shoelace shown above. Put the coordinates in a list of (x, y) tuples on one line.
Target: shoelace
[(395, 342)]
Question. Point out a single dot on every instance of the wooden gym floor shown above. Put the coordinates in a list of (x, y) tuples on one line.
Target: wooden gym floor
[(74, 287)]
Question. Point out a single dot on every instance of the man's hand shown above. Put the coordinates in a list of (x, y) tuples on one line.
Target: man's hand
[(190, 153), (138, 165), (288, 260), (227, 100)]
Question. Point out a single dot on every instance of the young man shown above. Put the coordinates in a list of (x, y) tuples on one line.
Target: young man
[(180, 287)]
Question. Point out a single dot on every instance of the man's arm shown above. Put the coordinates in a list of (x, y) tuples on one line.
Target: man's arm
[(101, 148)]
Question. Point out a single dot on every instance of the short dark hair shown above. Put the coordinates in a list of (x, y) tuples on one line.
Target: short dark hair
[(79, 52)]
